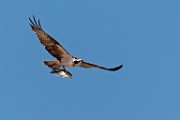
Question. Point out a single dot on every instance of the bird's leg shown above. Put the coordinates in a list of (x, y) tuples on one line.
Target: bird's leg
[(53, 71), (64, 69)]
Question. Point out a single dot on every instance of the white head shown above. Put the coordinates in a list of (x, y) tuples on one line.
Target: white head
[(76, 61)]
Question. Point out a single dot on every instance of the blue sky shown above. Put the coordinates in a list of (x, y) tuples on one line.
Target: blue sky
[(143, 35)]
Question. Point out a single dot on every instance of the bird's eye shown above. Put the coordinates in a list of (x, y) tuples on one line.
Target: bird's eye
[(76, 62)]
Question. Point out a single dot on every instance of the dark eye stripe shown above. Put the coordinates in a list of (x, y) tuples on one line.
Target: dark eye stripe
[(76, 62)]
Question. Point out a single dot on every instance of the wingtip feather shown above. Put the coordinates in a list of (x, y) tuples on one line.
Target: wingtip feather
[(116, 68)]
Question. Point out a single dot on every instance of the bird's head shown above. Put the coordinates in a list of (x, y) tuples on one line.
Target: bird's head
[(77, 61)]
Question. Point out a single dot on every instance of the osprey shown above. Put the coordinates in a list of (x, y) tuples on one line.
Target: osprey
[(64, 59)]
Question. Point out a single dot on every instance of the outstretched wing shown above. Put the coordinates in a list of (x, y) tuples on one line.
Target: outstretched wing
[(89, 65), (51, 45)]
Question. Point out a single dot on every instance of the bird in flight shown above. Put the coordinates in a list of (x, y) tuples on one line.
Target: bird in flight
[(64, 59)]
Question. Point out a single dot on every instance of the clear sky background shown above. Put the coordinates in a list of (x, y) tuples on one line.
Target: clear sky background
[(143, 35)]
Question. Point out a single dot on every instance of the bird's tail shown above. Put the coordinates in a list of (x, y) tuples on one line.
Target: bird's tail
[(53, 64)]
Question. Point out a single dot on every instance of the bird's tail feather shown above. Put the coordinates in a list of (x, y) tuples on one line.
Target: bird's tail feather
[(52, 64)]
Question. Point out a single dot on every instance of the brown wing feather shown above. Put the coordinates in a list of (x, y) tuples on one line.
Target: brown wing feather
[(51, 45), (89, 65)]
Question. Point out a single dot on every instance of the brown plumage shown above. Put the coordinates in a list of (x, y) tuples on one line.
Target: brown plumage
[(53, 64), (89, 65)]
